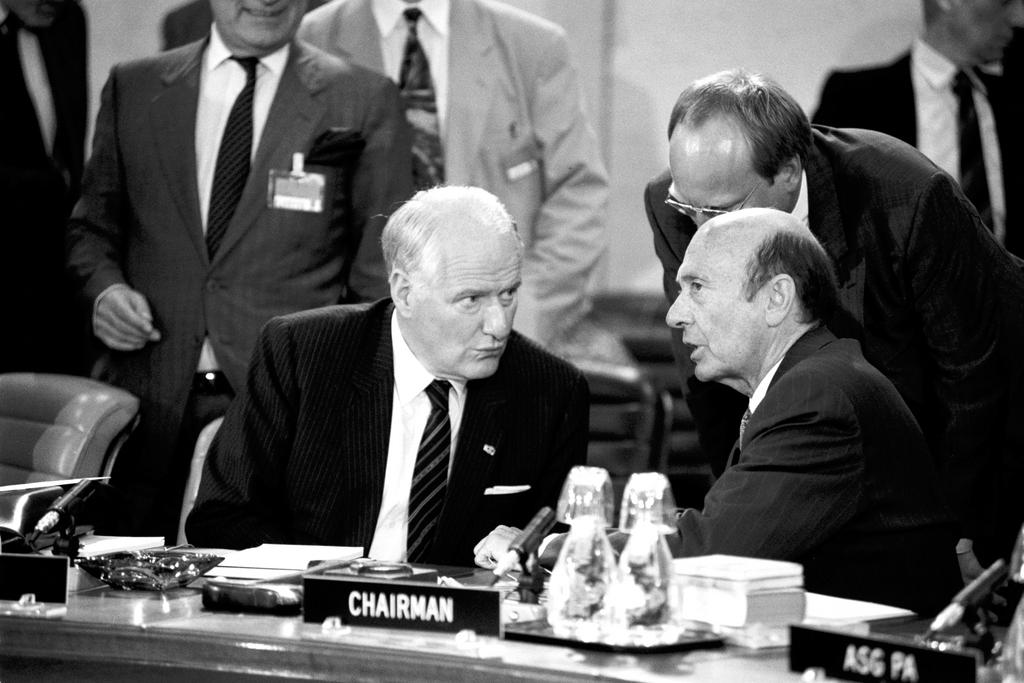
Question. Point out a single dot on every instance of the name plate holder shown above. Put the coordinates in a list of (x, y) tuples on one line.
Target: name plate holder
[(33, 585), (401, 604), (843, 655)]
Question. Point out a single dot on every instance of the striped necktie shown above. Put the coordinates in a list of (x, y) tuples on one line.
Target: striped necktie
[(233, 159), (430, 474)]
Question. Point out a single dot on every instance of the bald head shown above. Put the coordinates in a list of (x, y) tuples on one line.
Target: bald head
[(751, 283)]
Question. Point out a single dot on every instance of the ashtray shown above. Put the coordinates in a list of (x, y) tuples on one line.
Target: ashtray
[(150, 570)]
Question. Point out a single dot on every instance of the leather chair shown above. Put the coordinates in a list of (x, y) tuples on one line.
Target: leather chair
[(55, 427), (195, 473), (629, 422)]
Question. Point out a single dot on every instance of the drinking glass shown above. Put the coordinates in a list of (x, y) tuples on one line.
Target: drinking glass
[(586, 563)]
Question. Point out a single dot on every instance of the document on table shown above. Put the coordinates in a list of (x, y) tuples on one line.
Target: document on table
[(824, 610), (274, 560)]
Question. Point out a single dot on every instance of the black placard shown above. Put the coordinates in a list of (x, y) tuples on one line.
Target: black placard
[(43, 575), (401, 604), (876, 658)]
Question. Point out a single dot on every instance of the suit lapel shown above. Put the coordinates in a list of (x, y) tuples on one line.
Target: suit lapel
[(370, 406), (840, 240), (480, 443), (472, 62), (173, 115), (294, 114)]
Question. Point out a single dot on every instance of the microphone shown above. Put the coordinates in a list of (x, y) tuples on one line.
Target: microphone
[(64, 506), (970, 596), (527, 541)]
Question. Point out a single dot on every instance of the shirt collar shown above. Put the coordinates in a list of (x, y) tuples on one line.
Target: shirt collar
[(217, 53), (3, 12), (388, 14), (762, 388), (801, 209), (934, 67), (411, 378)]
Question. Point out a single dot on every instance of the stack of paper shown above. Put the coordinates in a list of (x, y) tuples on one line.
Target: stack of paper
[(93, 545), (274, 560), (732, 591)]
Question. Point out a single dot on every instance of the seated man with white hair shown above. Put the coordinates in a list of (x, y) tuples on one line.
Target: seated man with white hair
[(411, 426)]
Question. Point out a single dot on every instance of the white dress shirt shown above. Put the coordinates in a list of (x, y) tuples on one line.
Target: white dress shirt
[(938, 136), (432, 31), (409, 413), (222, 79), (762, 387)]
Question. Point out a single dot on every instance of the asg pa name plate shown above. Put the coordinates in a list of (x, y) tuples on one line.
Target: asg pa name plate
[(402, 604), (876, 658)]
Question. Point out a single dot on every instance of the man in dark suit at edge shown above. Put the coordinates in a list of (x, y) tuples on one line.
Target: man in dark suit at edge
[(968, 44), (920, 276), (43, 79), (326, 442), (178, 257)]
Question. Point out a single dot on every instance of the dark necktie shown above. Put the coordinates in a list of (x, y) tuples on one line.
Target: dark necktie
[(743, 428), (421, 109), (972, 161), (233, 158), (430, 475)]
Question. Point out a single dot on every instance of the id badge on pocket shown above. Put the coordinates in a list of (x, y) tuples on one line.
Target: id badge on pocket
[(296, 190)]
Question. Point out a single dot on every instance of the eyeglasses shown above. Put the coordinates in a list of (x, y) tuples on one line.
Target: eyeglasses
[(706, 212)]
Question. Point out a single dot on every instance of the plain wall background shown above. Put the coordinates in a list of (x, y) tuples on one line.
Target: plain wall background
[(634, 57)]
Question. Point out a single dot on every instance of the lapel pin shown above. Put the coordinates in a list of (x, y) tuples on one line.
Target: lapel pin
[(488, 449)]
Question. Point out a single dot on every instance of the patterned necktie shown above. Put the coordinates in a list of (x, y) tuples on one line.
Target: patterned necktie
[(430, 475), (972, 160), (743, 428), (233, 158), (421, 108)]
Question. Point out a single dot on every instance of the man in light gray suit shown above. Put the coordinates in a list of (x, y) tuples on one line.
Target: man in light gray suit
[(179, 274), (511, 121)]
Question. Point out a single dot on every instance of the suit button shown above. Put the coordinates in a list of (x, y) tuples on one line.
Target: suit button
[(212, 286)]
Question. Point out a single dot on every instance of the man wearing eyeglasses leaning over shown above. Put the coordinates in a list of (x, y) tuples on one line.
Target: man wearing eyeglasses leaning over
[(919, 274)]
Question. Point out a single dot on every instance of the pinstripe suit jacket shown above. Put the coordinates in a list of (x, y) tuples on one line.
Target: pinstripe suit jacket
[(301, 455), (139, 221), (920, 280), (834, 474)]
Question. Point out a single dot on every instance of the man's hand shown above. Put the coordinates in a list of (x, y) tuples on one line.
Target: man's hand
[(122, 320), (491, 549)]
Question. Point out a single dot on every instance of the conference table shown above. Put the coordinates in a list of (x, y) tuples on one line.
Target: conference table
[(112, 635)]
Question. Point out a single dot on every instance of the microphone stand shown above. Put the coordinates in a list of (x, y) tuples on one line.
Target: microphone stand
[(67, 542), (531, 579)]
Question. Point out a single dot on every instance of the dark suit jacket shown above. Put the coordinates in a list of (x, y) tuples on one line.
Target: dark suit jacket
[(37, 192), (301, 455), (852, 99), (139, 222), (834, 474), (907, 248)]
